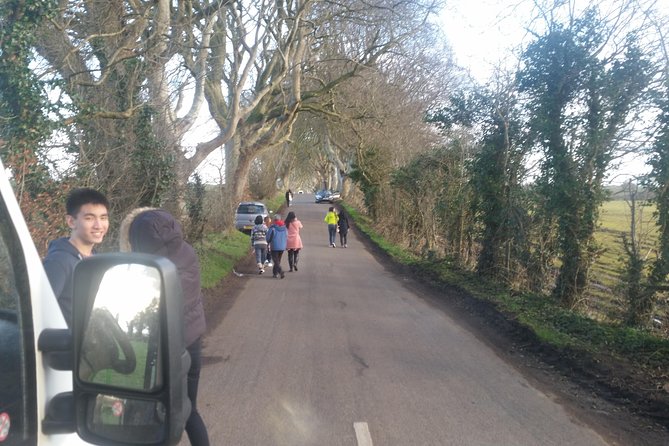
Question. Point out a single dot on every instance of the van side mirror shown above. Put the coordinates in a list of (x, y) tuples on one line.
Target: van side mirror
[(130, 361)]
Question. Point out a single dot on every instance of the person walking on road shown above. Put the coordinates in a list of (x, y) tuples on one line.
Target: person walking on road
[(343, 228), (331, 220), (277, 238), (294, 242), (289, 197), (259, 243), (155, 231), (268, 257)]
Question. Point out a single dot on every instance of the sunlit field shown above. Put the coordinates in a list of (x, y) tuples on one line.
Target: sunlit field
[(607, 301)]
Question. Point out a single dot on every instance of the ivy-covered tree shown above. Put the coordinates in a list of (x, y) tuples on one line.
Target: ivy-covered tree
[(495, 173), (371, 172), (579, 103), (24, 122), (657, 181), (431, 203)]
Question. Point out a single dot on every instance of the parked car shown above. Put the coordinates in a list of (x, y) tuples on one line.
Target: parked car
[(247, 211), (327, 196)]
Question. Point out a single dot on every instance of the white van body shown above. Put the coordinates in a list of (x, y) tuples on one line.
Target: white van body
[(45, 314)]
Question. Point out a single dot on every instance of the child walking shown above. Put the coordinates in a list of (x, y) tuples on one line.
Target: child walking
[(268, 259), (331, 220), (277, 238), (343, 228), (259, 243)]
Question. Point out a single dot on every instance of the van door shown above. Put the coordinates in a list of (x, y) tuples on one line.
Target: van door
[(18, 412), (27, 307)]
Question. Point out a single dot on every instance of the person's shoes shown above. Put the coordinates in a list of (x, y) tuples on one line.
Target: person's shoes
[(345, 246), (282, 275), (275, 276), (260, 271), (295, 267), (291, 269), (334, 245)]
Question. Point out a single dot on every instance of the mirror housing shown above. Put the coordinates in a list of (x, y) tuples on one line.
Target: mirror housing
[(111, 411)]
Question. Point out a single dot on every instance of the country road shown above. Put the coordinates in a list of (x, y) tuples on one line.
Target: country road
[(342, 353)]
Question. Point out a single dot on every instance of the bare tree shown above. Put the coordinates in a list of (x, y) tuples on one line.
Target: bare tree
[(382, 107), (277, 59)]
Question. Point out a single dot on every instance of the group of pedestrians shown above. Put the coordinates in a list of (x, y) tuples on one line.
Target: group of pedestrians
[(337, 223), (271, 239), (146, 230)]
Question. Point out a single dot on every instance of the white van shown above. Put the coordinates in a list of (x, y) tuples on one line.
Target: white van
[(118, 376)]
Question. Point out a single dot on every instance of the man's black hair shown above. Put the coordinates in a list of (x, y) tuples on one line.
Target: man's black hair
[(81, 196)]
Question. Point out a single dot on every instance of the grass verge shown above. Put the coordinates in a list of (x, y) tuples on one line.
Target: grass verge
[(219, 253)]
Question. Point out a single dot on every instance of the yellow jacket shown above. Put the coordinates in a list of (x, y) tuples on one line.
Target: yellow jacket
[(331, 218)]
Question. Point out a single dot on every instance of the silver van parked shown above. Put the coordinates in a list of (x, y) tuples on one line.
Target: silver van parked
[(247, 211)]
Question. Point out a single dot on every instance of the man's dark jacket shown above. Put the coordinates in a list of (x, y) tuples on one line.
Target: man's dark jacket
[(59, 264)]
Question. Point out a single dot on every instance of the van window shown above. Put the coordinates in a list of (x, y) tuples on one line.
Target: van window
[(18, 424)]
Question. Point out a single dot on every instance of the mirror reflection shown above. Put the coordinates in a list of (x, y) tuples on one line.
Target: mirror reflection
[(120, 345), (126, 419)]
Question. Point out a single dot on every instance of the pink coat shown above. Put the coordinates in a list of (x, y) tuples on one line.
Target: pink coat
[(294, 240)]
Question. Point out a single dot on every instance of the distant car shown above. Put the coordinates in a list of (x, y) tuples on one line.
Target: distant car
[(327, 196), (300, 191), (247, 211)]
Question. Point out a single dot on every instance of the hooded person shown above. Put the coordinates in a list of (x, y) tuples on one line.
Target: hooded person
[(277, 238), (155, 231)]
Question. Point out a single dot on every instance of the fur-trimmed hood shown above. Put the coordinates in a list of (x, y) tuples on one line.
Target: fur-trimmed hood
[(124, 231)]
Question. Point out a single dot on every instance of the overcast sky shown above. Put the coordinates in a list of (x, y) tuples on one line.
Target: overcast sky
[(483, 32)]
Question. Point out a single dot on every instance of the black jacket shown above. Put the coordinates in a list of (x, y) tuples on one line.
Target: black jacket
[(343, 223), (59, 264)]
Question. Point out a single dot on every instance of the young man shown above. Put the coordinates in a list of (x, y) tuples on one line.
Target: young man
[(88, 218)]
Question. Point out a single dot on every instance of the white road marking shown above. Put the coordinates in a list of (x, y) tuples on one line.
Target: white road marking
[(362, 434)]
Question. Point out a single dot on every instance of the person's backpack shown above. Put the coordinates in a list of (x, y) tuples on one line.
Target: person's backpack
[(258, 235)]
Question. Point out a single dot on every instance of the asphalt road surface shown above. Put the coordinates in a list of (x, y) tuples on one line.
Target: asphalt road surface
[(341, 353)]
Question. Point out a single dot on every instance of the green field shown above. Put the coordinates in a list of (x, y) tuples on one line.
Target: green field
[(606, 301)]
